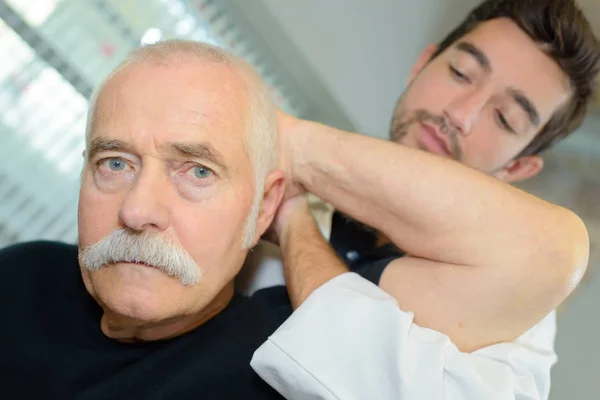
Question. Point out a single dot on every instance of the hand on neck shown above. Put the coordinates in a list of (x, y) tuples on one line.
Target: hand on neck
[(130, 330)]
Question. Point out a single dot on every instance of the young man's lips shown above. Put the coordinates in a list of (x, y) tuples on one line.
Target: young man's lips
[(431, 140)]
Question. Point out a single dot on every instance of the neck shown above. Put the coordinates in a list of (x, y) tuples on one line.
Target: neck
[(130, 330)]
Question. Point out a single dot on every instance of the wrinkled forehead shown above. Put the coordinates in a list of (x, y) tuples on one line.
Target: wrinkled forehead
[(189, 98)]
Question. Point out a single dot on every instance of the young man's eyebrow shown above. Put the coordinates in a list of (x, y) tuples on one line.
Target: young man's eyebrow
[(477, 53), (526, 105)]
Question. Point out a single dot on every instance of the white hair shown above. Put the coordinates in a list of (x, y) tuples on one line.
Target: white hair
[(261, 139), (123, 245)]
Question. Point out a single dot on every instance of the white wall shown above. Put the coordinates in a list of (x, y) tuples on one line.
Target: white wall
[(576, 374), (363, 50)]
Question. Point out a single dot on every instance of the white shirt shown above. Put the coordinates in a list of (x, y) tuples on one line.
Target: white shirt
[(350, 340)]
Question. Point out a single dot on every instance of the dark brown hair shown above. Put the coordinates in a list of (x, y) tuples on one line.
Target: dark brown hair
[(562, 32)]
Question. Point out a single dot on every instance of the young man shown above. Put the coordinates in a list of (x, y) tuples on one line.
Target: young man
[(486, 261)]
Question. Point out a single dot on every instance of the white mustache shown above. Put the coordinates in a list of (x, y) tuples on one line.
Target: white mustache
[(123, 245)]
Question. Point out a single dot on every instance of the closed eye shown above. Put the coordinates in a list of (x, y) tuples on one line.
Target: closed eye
[(459, 75), (503, 122)]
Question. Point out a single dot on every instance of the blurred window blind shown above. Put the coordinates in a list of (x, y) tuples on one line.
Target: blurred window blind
[(54, 53)]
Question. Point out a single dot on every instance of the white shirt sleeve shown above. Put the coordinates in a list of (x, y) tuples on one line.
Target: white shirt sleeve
[(350, 340)]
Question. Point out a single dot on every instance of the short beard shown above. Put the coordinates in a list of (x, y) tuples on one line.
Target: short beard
[(124, 245), (401, 123)]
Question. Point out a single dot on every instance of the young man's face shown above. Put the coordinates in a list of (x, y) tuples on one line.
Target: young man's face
[(483, 100)]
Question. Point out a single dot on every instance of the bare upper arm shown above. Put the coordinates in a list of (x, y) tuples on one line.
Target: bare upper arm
[(474, 306)]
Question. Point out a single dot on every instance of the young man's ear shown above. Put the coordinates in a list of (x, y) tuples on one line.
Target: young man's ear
[(521, 169), (422, 61), (272, 197)]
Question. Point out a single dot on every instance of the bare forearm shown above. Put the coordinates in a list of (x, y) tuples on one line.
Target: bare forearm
[(308, 260), (431, 207)]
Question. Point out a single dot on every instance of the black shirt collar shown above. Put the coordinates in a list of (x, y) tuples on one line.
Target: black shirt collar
[(356, 243)]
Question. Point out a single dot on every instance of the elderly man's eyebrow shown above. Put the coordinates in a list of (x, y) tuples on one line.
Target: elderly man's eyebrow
[(477, 53), (101, 144), (526, 105), (203, 151)]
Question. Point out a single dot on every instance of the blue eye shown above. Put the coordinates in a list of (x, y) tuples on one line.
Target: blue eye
[(116, 164), (201, 172)]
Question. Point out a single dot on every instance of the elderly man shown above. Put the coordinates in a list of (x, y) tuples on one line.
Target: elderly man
[(179, 181)]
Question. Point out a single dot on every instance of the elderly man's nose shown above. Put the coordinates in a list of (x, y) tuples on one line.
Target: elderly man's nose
[(143, 208)]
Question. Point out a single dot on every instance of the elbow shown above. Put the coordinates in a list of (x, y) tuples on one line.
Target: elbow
[(573, 252), (580, 252)]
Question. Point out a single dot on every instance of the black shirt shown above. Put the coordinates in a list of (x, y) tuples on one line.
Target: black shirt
[(51, 345), (356, 244)]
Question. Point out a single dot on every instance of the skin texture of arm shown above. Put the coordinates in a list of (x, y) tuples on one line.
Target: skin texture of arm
[(308, 260), (488, 261)]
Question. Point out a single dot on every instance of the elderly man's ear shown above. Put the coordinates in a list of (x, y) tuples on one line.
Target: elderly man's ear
[(273, 195)]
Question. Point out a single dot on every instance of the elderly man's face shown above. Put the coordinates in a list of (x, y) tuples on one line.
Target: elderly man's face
[(167, 161)]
